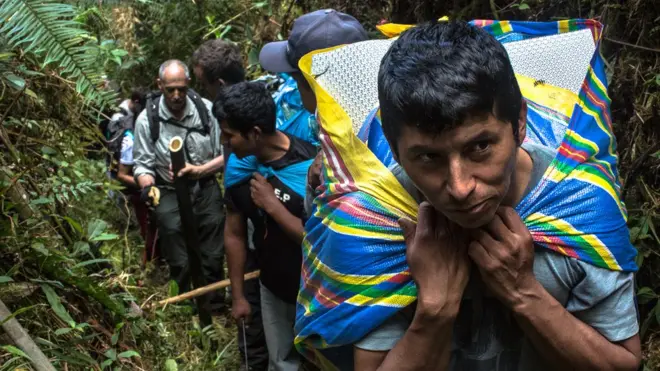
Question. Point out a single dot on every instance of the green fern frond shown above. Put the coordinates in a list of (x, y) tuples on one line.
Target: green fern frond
[(47, 29)]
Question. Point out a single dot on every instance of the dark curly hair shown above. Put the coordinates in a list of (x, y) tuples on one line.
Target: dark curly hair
[(246, 105), (220, 59)]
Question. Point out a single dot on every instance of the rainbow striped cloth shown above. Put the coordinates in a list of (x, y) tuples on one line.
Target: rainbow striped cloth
[(355, 275)]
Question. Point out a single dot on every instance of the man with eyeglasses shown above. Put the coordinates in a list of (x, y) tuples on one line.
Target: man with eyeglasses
[(179, 111)]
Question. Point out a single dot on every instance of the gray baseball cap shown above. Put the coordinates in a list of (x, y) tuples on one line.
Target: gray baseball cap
[(313, 31)]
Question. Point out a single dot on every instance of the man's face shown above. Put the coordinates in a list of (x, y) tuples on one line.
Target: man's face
[(174, 86), (306, 92), (235, 142), (210, 88), (464, 172)]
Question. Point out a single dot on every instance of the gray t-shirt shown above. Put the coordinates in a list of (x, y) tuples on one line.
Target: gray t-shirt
[(487, 338)]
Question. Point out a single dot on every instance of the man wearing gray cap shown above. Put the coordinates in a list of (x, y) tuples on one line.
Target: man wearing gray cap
[(313, 31)]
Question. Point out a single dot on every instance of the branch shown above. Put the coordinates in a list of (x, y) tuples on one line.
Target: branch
[(21, 338), (633, 45)]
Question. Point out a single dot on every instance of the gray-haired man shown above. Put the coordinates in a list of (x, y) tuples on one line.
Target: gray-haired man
[(178, 111)]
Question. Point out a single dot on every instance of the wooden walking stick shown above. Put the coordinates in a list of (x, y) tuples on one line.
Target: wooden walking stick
[(189, 229), (205, 290)]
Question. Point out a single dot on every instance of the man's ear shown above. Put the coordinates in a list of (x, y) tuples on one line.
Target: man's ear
[(256, 131), (522, 122), (160, 84)]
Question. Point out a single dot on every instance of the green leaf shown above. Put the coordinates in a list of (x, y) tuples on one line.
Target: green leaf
[(47, 30), (95, 228), (80, 248), (4, 279), (115, 338), (42, 201), (57, 306), (172, 289), (48, 150), (15, 351), (111, 354), (523, 6), (93, 261), (17, 82), (63, 331), (645, 295), (38, 246), (119, 52), (128, 354), (74, 224), (105, 237), (170, 365), (106, 363), (17, 312)]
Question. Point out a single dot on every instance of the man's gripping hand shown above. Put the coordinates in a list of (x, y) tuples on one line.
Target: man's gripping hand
[(437, 255), (503, 250), (150, 195)]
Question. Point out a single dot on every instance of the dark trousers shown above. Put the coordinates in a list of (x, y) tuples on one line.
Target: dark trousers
[(209, 214)]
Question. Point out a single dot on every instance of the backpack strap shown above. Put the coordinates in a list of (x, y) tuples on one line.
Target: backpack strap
[(153, 107)]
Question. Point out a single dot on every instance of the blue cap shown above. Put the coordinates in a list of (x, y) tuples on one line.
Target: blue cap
[(313, 31)]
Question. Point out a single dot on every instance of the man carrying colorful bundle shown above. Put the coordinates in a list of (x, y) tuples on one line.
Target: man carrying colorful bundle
[(548, 285)]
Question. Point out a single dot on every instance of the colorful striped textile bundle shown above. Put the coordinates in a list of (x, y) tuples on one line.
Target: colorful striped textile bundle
[(355, 274)]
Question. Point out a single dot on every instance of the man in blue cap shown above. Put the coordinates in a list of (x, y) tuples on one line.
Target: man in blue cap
[(279, 251)]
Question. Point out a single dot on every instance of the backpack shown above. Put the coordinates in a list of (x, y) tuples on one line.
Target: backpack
[(115, 131), (153, 107)]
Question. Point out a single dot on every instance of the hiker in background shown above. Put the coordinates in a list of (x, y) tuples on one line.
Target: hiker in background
[(179, 111), (313, 31), (461, 142), (217, 64), (273, 201), (120, 138)]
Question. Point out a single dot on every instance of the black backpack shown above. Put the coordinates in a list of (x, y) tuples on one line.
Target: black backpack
[(153, 107), (115, 131)]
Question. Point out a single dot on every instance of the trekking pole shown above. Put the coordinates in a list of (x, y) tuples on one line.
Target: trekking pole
[(247, 367), (204, 290)]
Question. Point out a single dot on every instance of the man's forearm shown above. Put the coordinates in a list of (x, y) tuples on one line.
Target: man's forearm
[(425, 346), (214, 166), (290, 224), (235, 250), (565, 341), (146, 180)]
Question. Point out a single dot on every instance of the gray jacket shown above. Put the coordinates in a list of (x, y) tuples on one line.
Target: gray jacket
[(154, 158)]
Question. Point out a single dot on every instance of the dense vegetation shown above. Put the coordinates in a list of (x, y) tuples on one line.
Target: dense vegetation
[(69, 266)]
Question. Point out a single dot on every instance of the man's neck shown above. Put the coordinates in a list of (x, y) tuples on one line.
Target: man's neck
[(178, 114), (273, 147), (522, 175)]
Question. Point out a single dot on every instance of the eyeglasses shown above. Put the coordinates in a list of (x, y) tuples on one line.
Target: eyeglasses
[(172, 89)]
